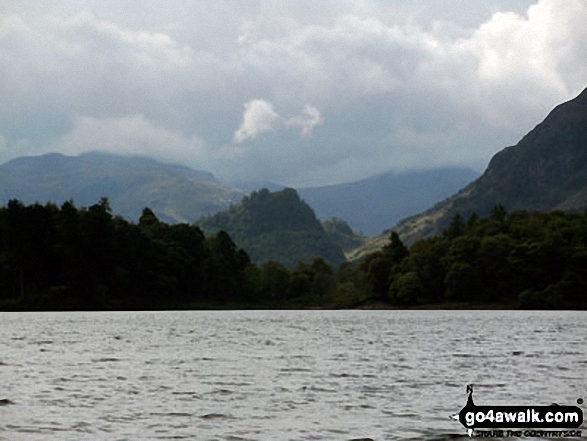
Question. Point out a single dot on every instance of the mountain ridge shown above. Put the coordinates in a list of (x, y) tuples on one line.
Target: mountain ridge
[(371, 204), (546, 170), (130, 182)]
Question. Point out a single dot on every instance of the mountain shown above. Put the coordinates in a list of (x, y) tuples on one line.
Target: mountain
[(373, 204), (275, 226), (545, 171), (175, 193), (342, 234)]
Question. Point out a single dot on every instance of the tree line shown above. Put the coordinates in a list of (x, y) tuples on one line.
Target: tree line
[(528, 260), (64, 258), (68, 258)]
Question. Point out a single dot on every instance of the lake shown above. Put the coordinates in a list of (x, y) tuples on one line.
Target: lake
[(278, 375)]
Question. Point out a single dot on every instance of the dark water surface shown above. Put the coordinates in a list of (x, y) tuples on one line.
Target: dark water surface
[(278, 375)]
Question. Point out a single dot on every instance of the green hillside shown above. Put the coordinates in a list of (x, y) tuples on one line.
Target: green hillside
[(275, 226)]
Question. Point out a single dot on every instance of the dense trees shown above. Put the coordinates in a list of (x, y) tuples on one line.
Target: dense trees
[(68, 258), (276, 226), (530, 260), (64, 258)]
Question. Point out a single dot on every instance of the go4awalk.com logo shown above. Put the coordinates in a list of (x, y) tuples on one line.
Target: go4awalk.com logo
[(552, 421)]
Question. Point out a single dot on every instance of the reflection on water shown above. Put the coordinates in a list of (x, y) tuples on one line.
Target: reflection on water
[(278, 375)]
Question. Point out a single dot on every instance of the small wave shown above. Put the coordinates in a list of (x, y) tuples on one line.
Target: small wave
[(172, 414), (566, 353), (232, 383), (190, 394), (359, 406), (175, 437), (216, 416), (106, 360), (321, 389), (221, 392), (343, 375), (295, 370)]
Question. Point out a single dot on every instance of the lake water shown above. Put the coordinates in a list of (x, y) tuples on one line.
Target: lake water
[(278, 375)]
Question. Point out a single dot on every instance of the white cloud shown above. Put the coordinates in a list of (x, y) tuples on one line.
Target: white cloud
[(129, 135), (258, 117), (306, 122)]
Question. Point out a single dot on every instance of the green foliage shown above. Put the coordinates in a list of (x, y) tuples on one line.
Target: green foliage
[(276, 226), (395, 251), (275, 279), (407, 289), (535, 259), (380, 268), (316, 280), (341, 234), (65, 258)]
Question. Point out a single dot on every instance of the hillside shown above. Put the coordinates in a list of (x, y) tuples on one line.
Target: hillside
[(174, 192), (275, 226), (545, 171), (374, 203)]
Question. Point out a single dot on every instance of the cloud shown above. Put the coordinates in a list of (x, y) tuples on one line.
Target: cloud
[(129, 135), (401, 84), (306, 122), (258, 117)]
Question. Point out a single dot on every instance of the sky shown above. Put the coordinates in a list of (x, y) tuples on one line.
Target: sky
[(301, 93)]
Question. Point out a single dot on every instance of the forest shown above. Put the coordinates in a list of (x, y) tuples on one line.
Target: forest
[(527, 260), (68, 258), (276, 226)]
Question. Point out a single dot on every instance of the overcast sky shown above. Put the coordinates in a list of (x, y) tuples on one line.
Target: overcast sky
[(301, 92)]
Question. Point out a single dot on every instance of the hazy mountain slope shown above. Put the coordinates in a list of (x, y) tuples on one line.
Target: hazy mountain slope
[(342, 234), (174, 192), (251, 186), (373, 204), (546, 170), (275, 226)]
